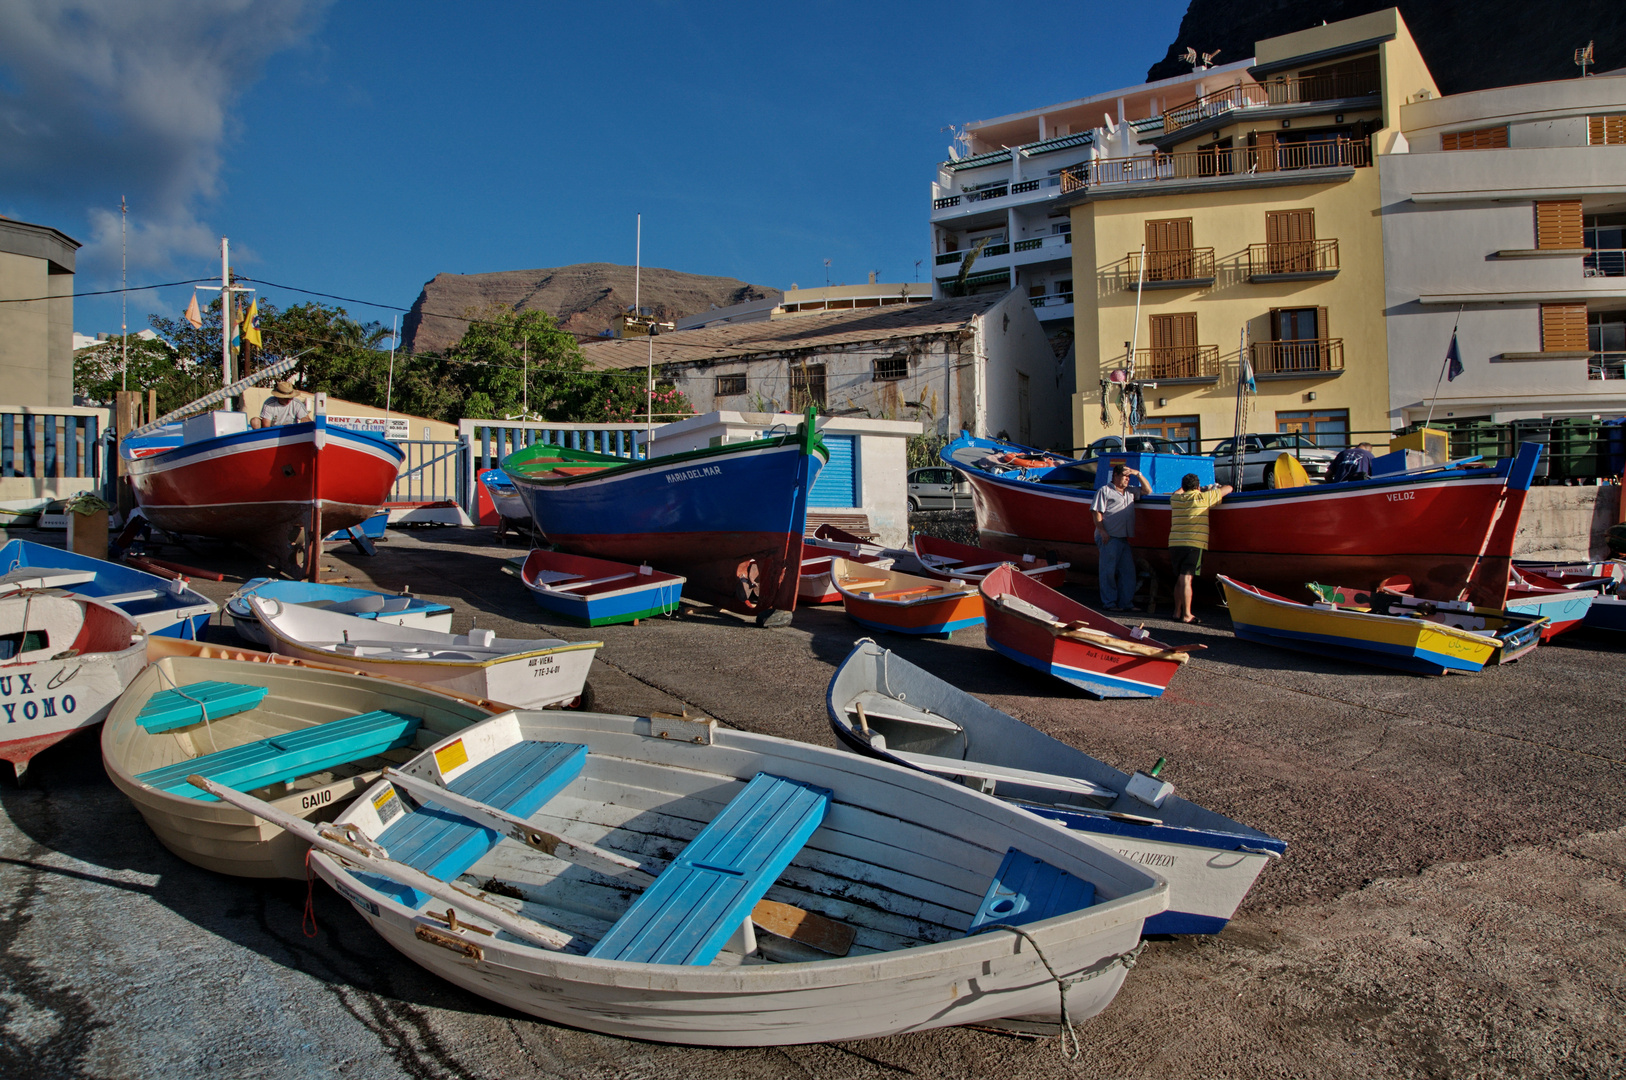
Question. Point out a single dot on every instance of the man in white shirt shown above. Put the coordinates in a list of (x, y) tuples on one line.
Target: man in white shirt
[(282, 407), (1114, 510)]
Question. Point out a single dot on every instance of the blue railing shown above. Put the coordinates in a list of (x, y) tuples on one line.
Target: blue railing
[(45, 445), (489, 441)]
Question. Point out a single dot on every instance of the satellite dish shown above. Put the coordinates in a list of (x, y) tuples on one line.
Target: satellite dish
[(1112, 129), (954, 153)]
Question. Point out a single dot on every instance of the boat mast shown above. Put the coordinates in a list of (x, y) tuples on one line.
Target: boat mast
[(1134, 342), (1243, 374), (227, 376)]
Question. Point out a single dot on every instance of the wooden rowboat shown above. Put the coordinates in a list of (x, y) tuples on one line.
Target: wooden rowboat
[(598, 592), (668, 880), (160, 606), (946, 559), (880, 705), (1035, 625), (296, 698), (903, 603), (817, 586)]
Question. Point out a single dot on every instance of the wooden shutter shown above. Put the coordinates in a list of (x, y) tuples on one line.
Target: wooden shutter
[(1321, 330), (1265, 151), (1606, 130), (1286, 226), (1558, 225), (1491, 138), (1563, 328), (1168, 249), (1174, 346)]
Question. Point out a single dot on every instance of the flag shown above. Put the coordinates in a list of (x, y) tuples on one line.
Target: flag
[(1453, 359), (192, 315), (251, 323), (1247, 376)]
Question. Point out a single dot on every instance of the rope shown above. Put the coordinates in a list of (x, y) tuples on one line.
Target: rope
[(1127, 959), (307, 922), (202, 707)]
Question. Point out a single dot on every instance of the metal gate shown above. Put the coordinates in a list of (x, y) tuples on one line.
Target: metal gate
[(431, 472)]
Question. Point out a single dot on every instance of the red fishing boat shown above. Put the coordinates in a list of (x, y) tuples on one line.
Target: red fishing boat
[(1450, 530), (946, 559)]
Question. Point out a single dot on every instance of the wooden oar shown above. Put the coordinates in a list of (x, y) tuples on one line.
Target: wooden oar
[(1079, 630)]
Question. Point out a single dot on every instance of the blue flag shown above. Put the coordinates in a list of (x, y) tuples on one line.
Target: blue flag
[(1453, 359)]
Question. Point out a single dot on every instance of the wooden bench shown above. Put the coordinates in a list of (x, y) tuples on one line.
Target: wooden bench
[(518, 780), (1026, 890), (288, 756), (190, 704), (706, 895), (856, 524)]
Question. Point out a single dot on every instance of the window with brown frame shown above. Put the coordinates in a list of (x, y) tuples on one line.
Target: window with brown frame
[(891, 368), (1606, 130), (731, 385), (1559, 225), (1168, 249), (1563, 328), (806, 386), (1491, 138)]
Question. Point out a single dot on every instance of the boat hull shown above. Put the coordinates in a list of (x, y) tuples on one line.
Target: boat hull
[(157, 605), (640, 596), (904, 604), (1564, 609)]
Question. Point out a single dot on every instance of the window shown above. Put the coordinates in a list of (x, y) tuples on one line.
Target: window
[(1491, 138), (1606, 337), (1168, 250), (1605, 235), (730, 385), (1174, 353), (806, 386), (1185, 430), (1558, 225), (1289, 241), (1606, 130), (1327, 429), (1563, 328), (1064, 287), (1348, 78), (1299, 342), (891, 368)]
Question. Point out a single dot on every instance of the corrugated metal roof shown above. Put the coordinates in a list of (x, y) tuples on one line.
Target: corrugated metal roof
[(1060, 142), (978, 160)]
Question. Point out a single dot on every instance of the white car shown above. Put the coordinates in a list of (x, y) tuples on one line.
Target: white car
[(1259, 454), (938, 489)]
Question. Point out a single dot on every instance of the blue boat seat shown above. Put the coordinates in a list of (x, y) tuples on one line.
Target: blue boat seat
[(518, 779), (187, 705), (288, 756), (1026, 889), (701, 899)]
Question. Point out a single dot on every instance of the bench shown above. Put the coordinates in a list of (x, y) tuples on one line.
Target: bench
[(979, 771), (519, 780), (878, 706), (189, 704), (1026, 890), (706, 895), (288, 756)]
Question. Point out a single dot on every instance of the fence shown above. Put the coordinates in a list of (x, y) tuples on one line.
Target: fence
[(486, 442), (48, 453)]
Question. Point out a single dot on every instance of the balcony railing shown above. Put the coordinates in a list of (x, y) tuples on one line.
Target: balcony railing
[(1239, 161), (1174, 362), (1604, 262), (1294, 258), (950, 257), (1606, 365), (1061, 299), (1189, 264), (946, 202), (996, 249), (1295, 91), (1024, 187), (996, 192), (1308, 356)]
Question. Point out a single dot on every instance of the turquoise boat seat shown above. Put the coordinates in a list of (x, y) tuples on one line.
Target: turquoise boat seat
[(1027, 890), (189, 704)]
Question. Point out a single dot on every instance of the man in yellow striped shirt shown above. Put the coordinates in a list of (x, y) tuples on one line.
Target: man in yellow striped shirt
[(1188, 536)]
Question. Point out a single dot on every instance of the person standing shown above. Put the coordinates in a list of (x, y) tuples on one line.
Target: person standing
[(1352, 463), (1114, 510), (1188, 536)]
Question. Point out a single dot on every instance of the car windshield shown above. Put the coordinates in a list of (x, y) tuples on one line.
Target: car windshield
[(1288, 441)]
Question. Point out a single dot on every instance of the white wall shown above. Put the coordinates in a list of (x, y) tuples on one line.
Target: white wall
[(1013, 342)]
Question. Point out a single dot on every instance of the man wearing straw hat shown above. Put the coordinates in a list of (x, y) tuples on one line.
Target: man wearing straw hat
[(282, 407)]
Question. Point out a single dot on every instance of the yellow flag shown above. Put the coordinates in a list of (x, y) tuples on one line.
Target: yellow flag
[(251, 323), (192, 314)]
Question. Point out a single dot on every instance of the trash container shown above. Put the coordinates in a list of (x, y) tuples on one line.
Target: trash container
[(87, 525)]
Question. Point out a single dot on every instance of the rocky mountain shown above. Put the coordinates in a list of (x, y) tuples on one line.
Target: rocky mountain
[(585, 298), (1468, 44)]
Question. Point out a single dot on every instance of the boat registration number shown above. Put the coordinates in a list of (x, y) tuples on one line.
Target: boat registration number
[(543, 666)]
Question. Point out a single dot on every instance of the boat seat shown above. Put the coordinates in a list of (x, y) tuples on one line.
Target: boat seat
[(1026, 890), (518, 780), (288, 756), (978, 770), (878, 706), (187, 705), (704, 897)]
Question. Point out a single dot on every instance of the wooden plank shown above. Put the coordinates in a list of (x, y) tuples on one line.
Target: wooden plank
[(805, 927), (979, 770)]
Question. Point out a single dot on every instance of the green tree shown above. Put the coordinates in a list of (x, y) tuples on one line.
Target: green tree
[(101, 371)]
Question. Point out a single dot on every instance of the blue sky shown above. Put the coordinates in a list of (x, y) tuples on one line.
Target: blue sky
[(359, 149)]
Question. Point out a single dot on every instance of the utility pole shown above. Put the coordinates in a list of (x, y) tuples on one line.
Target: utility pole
[(124, 295), (637, 265), (226, 373)]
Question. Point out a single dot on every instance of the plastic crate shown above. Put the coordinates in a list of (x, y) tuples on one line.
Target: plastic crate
[(1164, 471)]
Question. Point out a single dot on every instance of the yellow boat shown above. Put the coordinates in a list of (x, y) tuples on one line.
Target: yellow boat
[(1416, 640)]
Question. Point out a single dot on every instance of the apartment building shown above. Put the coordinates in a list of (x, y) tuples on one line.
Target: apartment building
[(36, 337), (1504, 215)]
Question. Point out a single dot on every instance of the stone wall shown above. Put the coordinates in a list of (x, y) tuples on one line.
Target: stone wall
[(1567, 523)]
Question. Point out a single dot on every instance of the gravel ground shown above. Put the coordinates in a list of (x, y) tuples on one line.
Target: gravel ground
[(1453, 901)]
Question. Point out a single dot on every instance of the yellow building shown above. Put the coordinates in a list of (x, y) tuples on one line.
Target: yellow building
[(1259, 210)]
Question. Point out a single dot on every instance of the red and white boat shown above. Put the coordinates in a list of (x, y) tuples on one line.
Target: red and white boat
[(271, 489), (1450, 530)]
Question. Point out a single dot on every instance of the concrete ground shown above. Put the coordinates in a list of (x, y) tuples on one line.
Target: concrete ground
[(1452, 903)]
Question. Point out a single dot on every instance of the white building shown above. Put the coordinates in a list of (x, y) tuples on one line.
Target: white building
[(1509, 205), (1002, 188), (797, 301)]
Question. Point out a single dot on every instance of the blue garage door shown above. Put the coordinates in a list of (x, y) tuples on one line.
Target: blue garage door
[(837, 483)]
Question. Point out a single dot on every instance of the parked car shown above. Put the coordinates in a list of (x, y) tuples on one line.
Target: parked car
[(938, 489), (1259, 453)]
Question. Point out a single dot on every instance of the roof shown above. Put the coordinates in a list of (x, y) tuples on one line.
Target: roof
[(829, 330)]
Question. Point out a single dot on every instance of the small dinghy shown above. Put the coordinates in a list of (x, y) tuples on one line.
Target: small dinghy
[(306, 738), (400, 609), (532, 674), (816, 586), (664, 879), (158, 605), (882, 706), (512, 513), (64, 659), (1035, 625), (1564, 607), (946, 559), (1422, 637), (598, 592), (1606, 610), (903, 603)]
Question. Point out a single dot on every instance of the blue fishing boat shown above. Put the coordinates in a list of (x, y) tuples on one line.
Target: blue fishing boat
[(402, 609), (598, 592), (157, 605)]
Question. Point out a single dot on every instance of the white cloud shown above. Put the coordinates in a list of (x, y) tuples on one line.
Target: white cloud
[(102, 98)]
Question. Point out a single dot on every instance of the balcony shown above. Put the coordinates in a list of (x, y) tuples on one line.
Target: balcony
[(1258, 162), (1052, 307), (1293, 260), (1298, 91), (1307, 358), (1604, 262), (1189, 268), (1172, 364), (1606, 365)]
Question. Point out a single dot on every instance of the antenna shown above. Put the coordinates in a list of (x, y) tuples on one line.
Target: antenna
[(827, 273), (124, 295), (1583, 57), (1208, 57), (1189, 56), (637, 263)]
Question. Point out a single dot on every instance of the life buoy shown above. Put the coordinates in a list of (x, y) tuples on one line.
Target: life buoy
[(1027, 461)]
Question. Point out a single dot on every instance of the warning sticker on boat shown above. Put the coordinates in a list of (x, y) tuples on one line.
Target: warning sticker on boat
[(387, 805), (450, 756)]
